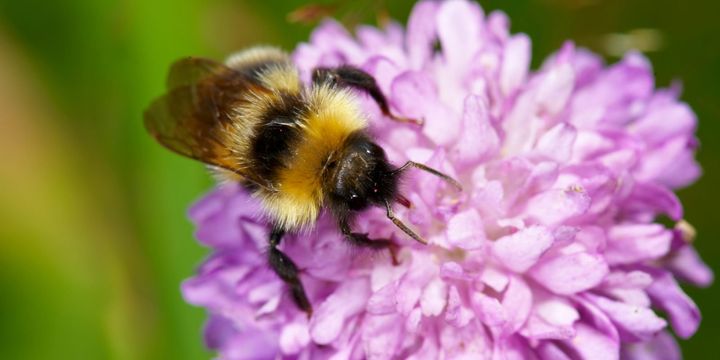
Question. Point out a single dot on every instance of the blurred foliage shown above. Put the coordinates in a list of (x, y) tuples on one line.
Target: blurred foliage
[(95, 241)]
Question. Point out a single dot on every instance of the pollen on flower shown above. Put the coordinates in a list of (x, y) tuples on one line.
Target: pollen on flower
[(687, 231), (551, 251), (576, 188)]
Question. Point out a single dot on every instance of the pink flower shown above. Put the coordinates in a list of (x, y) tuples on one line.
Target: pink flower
[(552, 251)]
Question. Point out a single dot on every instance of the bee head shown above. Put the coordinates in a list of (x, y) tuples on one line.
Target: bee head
[(359, 176)]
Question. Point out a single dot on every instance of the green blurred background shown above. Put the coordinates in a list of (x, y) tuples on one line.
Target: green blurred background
[(95, 240)]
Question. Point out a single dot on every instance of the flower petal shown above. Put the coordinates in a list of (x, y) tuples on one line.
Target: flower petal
[(649, 199), (410, 86), (686, 264), (434, 298), (421, 32), (520, 251), (590, 344), (329, 318), (667, 295), (662, 346), (458, 24), (633, 243), (570, 273), (516, 61), (517, 301), (634, 322), (293, 338), (555, 89), (381, 335), (557, 142), (456, 313), (551, 318), (466, 231), (478, 140), (558, 205)]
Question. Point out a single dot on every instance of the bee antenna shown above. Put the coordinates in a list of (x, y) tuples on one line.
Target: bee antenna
[(402, 225), (426, 168)]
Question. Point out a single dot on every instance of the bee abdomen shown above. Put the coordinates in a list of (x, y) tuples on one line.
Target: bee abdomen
[(277, 134)]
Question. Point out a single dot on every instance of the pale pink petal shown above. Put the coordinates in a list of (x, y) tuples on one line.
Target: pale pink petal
[(499, 25), (329, 318), (687, 265), (591, 344), (434, 298), (551, 351), (634, 322), (383, 301), (633, 243), (413, 320), (555, 89), (458, 26), (682, 170), (570, 273), (456, 313), (664, 122), (649, 199), (557, 143), (465, 230), (516, 60), (495, 278), (478, 140), (421, 32), (662, 346), (517, 301), (520, 251), (411, 287), (294, 338), (551, 318), (684, 314), (558, 205), (628, 280), (410, 86), (382, 347), (489, 310), (511, 348)]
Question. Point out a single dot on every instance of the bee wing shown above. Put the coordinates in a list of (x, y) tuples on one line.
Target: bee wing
[(192, 118), (190, 71)]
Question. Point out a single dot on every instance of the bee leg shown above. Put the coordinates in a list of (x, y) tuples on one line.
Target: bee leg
[(362, 240), (286, 269), (350, 76)]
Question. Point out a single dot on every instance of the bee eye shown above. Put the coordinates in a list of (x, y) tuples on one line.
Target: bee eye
[(355, 202)]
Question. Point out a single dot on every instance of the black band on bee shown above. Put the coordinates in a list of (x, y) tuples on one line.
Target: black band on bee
[(276, 135)]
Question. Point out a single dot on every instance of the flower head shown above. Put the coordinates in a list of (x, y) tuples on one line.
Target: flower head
[(552, 251)]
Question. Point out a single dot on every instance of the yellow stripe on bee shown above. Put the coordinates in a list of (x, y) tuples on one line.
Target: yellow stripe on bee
[(332, 117), (281, 78)]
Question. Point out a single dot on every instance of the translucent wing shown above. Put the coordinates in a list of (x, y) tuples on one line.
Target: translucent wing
[(193, 117), (193, 70)]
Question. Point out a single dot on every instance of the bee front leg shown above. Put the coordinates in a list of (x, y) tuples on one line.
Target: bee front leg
[(286, 269), (350, 76), (362, 240)]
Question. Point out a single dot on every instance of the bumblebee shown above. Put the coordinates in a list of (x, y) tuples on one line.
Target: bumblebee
[(296, 148)]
